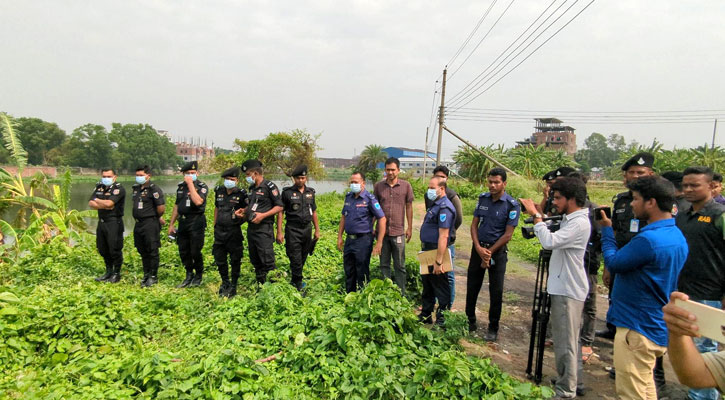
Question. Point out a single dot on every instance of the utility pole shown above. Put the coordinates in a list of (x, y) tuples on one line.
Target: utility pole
[(440, 117), (425, 152), (714, 131)]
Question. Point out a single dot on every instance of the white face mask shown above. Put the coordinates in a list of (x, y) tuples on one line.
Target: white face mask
[(432, 194), (250, 180), (355, 187), (141, 179), (107, 181), (229, 184)]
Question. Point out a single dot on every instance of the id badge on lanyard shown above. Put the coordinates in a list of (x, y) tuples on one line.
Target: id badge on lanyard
[(634, 225)]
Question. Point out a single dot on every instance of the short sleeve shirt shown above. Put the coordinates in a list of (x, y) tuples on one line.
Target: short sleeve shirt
[(441, 215), (715, 362), (183, 201), (299, 206), (360, 211), (393, 200), (226, 203), (263, 198), (146, 199), (495, 216), (116, 193)]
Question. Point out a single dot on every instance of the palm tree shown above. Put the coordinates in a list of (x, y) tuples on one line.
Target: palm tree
[(370, 157)]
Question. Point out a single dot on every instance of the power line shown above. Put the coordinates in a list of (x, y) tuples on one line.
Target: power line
[(473, 32), (483, 38), (584, 117), (509, 46), (530, 54), (602, 122), (590, 112)]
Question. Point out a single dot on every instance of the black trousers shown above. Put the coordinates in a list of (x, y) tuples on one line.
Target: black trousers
[(297, 238), (228, 243), (109, 241), (261, 249), (147, 240), (356, 261), (190, 237), (495, 286), (435, 286)]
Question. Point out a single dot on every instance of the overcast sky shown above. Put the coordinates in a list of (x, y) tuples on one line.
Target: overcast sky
[(358, 72)]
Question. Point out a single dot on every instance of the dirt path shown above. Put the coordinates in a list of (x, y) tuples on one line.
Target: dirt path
[(511, 350)]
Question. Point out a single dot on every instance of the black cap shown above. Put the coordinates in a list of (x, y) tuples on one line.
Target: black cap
[(549, 176), (190, 165), (563, 171), (231, 172), (673, 176), (300, 171), (249, 164), (642, 159)]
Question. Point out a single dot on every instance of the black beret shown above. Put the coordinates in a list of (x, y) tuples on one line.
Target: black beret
[(300, 171), (249, 164), (642, 159), (549, 176), (673, 176), (563, 171), (231, 172), (190, 165)]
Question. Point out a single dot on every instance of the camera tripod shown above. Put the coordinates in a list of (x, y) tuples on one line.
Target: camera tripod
[(539, 318)]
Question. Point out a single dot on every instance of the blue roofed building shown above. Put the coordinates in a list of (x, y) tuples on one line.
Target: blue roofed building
[(411, 160)]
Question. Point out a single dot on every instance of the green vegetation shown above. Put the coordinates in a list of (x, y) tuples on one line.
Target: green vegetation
[(279, 152), (62, 335), (370, 157), (528, 161)]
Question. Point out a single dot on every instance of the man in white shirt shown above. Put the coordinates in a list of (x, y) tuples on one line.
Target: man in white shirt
[(567, 284)]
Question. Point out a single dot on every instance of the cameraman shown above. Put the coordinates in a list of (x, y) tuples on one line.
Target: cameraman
[(567, 284)]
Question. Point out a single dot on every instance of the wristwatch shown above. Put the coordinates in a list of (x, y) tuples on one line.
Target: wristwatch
[(538, 215)]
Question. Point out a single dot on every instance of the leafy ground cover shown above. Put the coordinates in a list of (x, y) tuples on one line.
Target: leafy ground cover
[(62, 335)]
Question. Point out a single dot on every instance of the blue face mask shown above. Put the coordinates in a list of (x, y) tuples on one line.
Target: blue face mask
[(229, 184), (107, 181), (431, 194), (193, 177), (355, 187), (140, 180), (250, 180)]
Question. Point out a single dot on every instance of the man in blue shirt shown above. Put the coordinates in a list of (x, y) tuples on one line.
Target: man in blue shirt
[(494, 220), (435, 234), (647, 269), (360, 208)]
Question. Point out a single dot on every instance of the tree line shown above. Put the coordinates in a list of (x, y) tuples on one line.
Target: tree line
[(122, 147)]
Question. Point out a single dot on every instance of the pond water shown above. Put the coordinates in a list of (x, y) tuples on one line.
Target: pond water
[(81, 191)]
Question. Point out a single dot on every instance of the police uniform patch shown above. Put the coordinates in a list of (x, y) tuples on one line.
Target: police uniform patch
[(275, 192), (512, 215), (156, 195), (203, 190), (443, 217), (640, 161), (377, 206), (117, 191), (674, 210)]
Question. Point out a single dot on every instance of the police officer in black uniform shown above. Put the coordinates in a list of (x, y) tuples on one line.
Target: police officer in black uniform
[(681, 203), (109, 198), (189, 209), (300, 209), (264, 203), (148, 212), (229, 205), (547, 203)]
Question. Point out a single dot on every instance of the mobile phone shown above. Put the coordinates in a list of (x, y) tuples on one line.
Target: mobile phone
[(598, 214), (710, 320)]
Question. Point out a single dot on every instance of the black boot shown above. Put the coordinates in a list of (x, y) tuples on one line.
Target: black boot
[(224, 288), (196, 280), (153, 276), (116, 276), (187, 280), (104, 277), (146, 273)]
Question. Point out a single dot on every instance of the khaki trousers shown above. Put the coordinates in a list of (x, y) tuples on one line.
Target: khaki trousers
[(634, 359)]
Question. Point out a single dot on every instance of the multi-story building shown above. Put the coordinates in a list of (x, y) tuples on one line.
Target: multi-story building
[(551, 133), (194, 152)]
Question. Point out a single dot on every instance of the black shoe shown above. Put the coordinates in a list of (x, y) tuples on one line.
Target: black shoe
[(612, 373), (581, 391), (104, 277), (196, 281), (223, 288), (605, 334), (144, 281), (425, 320), (152, 280), (114, 278), (232, 291), (472, 327), (186, 281), (491, 336)]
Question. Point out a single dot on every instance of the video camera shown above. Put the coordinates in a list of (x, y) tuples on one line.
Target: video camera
[(553, 226)]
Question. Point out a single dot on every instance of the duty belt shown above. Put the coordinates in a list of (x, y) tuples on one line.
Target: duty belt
[(143, 218), (109, 218), (189, 216), (354, 236)]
